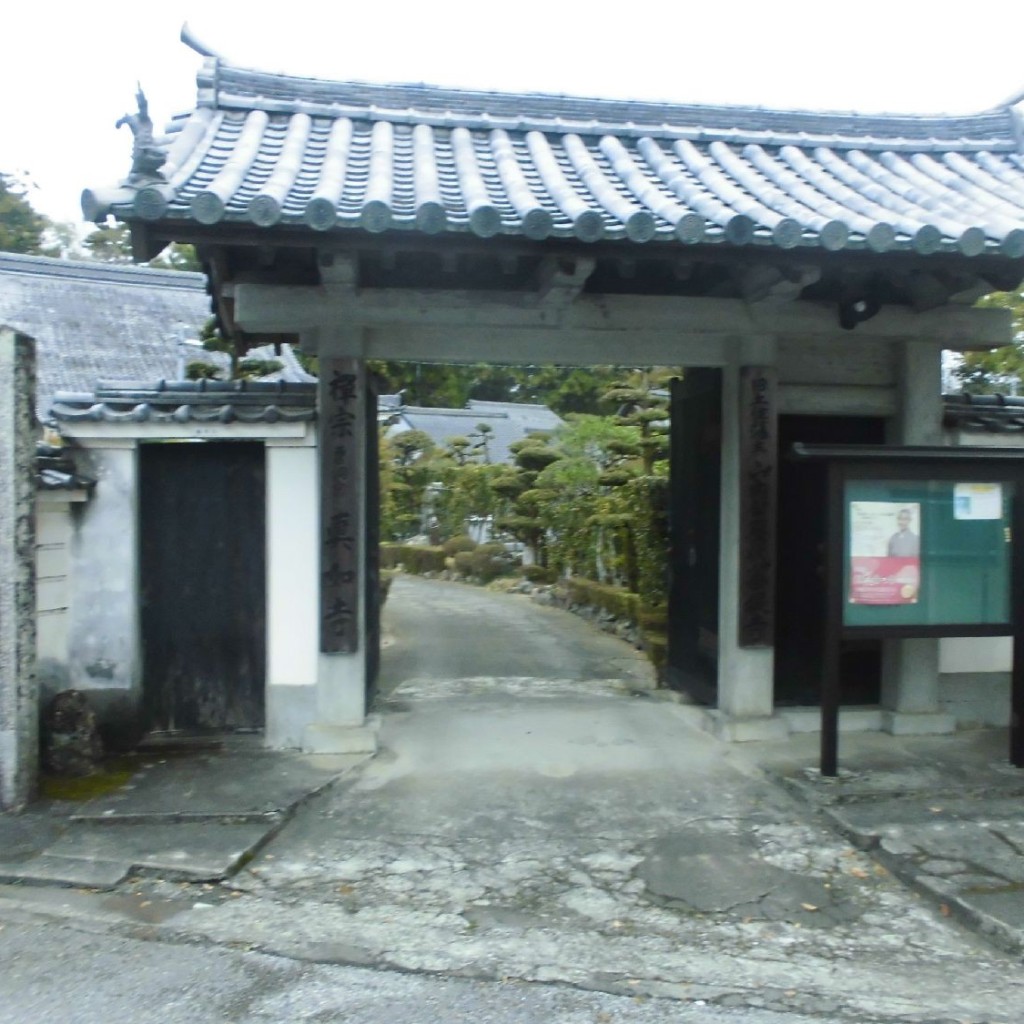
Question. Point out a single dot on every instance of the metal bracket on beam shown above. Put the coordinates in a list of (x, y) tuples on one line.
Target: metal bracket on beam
[(339, 270), (562, 279), (764, 283)]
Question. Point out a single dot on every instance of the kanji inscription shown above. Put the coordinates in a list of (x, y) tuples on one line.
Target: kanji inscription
[(757, 482), (341, 449)]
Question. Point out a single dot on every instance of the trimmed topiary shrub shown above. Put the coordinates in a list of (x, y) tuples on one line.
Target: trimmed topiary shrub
[(462, 563), (489, 561), (454, 545), (538, 574)]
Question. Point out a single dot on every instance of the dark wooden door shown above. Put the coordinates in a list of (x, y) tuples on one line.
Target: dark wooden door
[(694, 498), (800, 579), (203, 585)]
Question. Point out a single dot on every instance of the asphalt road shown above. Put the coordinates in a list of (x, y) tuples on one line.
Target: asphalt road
[(538, 839), (57, 972), (439, 630)]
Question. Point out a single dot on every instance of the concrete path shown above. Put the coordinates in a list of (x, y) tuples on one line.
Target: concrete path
[(191, 812), (440, 631), (575, 828)]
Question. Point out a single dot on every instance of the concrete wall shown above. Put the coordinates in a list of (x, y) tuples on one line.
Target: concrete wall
[(19, 697)]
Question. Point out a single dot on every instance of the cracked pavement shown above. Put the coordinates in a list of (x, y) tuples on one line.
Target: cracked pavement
[(578, 831), (574, 833)]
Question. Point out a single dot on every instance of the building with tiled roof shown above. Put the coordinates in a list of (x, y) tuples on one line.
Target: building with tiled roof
[(508, 422), (807, 269), (98, 321), (103, 323)]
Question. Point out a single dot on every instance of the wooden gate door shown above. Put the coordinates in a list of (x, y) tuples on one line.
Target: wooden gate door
[(203, 585), (694, 487)]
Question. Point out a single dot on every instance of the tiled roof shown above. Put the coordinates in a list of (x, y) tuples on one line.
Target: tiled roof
[(98, 321), (95, 320), (269, 150), (995, 414), (202, 401), (56, 470), (509, 422)]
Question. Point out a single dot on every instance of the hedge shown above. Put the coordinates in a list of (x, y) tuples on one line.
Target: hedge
[(616, 600), (414, 558)]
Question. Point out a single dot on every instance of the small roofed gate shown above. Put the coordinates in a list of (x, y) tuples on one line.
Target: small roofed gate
[(202, 564), (421, 224)]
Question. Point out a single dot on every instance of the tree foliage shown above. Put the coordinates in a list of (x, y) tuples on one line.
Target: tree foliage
[(113, 244), (998, 369), (22, 229), (436, 385)]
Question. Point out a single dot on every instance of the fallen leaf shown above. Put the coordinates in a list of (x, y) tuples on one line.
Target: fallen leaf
[(346, 889), (879, 870), (858, 873), (808, 906), (944, 910), (790, 992), (935, 810)]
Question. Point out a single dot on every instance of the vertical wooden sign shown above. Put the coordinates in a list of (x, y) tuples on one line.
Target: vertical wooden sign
[(758, 481), (341, 488)]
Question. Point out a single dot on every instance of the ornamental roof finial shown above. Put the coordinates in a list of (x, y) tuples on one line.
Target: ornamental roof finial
[(147, 156)]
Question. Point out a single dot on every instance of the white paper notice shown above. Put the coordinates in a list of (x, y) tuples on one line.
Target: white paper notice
[(978, 501)]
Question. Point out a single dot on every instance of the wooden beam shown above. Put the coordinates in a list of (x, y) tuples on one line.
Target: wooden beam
[(567, 347), (837, 400), (267, 308)]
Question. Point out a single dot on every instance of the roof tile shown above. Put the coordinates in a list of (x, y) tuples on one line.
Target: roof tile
[(276, 150)]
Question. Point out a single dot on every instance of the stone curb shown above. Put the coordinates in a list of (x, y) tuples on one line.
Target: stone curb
[(98, 872), (1001, 934)]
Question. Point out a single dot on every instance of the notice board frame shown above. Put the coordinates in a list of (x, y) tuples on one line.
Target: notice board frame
[(914, 464)]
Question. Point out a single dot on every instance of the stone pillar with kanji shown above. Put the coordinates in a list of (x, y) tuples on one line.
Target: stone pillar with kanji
[(340, 725)]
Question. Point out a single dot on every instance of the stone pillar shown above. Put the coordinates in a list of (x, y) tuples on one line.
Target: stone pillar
[(341, 675), (910, 668), (745, 673), (19, 694)]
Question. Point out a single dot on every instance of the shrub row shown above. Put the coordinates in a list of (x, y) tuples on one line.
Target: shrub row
[(414, 558), (615, 600)]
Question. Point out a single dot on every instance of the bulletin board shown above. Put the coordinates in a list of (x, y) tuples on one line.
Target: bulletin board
[(927, 552), (920, 543)]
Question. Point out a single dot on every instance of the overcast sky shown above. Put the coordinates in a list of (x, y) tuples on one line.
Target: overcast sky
[(68, 73)]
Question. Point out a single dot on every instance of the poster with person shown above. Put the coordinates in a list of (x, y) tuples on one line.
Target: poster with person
[(885, 552)]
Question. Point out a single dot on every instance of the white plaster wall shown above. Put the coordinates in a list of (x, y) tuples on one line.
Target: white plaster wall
[(53, 539), (104, 606), (976, 654), (292, 595)]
